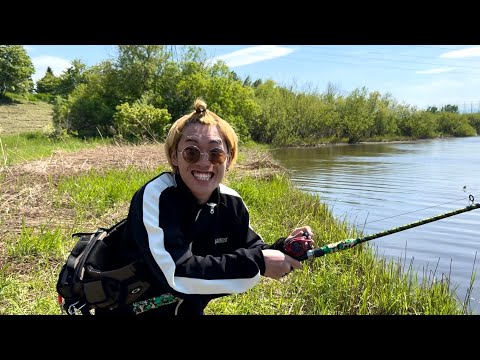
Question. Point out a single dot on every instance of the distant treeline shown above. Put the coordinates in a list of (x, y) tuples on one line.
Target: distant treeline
[(138, 95)]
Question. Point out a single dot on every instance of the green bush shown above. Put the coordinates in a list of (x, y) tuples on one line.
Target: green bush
[(141, 120)]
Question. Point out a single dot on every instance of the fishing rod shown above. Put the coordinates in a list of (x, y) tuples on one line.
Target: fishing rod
[(301, 248)]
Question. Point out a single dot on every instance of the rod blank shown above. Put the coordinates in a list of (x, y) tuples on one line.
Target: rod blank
[(349, 243)]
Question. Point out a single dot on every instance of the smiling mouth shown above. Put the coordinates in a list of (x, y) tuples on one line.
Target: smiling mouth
[(203, 176)]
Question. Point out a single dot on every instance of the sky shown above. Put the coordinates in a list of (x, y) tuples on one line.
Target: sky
[(416, 75)]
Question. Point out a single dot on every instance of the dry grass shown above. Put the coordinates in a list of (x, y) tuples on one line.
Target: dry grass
[(26, 187), (25, 117)]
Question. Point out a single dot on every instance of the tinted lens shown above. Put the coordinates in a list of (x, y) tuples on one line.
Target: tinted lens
[(191, 154), (216, 156)]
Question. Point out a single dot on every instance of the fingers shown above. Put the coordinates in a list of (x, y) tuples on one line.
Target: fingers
[(291, 264), (301, 230), (291, 269), (278, 264), (294, 264)]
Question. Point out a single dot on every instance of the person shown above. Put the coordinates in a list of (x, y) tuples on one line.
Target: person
[(193, 232)]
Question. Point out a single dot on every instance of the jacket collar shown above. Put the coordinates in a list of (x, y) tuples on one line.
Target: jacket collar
[(187, 194)]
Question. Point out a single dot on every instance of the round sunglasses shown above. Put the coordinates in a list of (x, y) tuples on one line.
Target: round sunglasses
[(191, 154)]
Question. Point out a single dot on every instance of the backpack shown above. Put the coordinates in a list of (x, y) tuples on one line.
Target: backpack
[(94, 275)]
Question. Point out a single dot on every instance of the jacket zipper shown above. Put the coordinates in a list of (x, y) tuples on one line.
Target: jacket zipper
[(212, 206), (212, 210)]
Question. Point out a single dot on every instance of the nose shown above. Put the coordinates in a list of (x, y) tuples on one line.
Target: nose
[(204, 158)]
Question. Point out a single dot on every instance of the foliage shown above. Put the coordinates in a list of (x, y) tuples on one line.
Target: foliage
[(356, 120), (224, 95), (141, 120), (423, 125), (90, 107), (44, 97), (48, 83), (450, 108), (60, 119), (171, 77), (71, 78), (264, 127), (138, 68), (16, 70), (474, 121), (64, 84), (447, 122)]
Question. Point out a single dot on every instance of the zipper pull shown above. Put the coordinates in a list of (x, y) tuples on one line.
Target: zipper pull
[(212, 206)]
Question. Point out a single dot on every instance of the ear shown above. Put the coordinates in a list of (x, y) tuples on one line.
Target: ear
[(227, 163), (174, 158)]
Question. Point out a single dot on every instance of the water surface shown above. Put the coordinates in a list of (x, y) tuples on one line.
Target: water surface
[(376, 187)]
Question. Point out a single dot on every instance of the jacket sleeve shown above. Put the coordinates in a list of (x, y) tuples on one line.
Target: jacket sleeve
[(278, 245), (174, 262)]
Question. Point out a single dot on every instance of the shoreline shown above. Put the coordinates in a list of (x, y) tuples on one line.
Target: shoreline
[(332, 144)]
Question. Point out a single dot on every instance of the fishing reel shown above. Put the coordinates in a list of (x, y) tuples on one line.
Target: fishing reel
[(298, 246)]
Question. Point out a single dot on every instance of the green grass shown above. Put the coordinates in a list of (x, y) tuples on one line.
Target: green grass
[(92, 194), (352, 281), (29, 146)]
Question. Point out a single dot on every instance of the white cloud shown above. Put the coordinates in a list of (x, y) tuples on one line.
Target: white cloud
[(462, 53), (41, 63), (253, 55), (458, 91), (435, 71)]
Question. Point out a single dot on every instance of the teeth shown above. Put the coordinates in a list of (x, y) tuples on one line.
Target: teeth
[(202, 176)]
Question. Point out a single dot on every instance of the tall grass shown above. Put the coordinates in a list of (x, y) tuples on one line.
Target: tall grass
[(353, 281)]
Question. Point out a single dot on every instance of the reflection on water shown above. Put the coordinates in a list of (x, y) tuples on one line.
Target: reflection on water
[(376, 187)]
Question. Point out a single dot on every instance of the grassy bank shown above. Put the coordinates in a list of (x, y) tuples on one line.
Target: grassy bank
[(21, 115), (61, 192)]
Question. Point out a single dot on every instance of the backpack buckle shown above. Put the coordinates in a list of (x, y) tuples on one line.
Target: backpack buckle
[(74, 310)]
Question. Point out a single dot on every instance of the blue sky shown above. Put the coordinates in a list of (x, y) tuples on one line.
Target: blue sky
[(419, 75)]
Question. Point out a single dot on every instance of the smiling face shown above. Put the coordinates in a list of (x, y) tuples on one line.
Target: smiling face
[(202, 177)]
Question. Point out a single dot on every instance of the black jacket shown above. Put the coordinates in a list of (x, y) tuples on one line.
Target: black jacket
[(192, 253)]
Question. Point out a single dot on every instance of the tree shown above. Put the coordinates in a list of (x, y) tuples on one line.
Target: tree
[(139, 68), (71, 78), (450, 108), (247, 81), (16, 70), (48, 83), (257, 83)]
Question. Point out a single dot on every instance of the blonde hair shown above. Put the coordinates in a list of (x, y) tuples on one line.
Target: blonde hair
[(201, 116)]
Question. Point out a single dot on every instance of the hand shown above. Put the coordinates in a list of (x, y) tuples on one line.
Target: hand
[(278, 264), (300, 231)]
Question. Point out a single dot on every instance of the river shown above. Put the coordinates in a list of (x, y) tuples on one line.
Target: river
[(380, 186)]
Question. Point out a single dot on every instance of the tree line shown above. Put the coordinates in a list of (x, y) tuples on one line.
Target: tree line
[(139, 93)]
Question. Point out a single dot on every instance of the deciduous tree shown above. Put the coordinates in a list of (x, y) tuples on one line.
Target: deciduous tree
[(16, 70)]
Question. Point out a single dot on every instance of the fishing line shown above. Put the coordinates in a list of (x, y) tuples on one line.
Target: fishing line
[(411, 212)]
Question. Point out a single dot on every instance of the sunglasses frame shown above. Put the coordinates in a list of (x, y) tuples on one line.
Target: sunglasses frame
[(200, 153)]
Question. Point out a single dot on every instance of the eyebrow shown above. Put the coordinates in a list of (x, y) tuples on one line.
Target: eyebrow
[(190, 138)]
